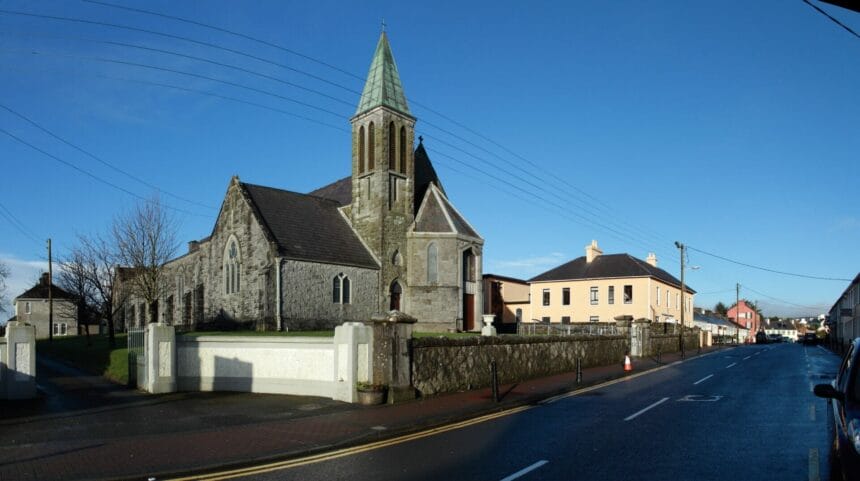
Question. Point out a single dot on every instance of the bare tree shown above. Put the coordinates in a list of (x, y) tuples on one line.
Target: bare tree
[(73, 279), (146, 239), (90, 272), (4, 273)]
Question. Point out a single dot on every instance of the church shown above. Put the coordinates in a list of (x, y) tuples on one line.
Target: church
[(386, 237)]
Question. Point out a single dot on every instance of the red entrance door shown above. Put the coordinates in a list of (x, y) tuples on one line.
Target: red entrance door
[(468, 312)]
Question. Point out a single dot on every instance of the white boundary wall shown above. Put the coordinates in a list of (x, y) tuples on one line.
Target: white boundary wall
[(308, 366), (18, 362)]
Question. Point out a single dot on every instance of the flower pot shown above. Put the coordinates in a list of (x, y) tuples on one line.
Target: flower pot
[(370, 398)]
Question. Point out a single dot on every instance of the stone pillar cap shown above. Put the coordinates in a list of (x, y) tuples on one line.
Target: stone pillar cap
[(394, 316)]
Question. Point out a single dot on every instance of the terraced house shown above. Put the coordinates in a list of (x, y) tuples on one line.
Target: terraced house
[(385, 237), (598, 288)]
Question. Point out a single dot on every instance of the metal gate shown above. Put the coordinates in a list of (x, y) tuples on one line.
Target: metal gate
[(137, 357)]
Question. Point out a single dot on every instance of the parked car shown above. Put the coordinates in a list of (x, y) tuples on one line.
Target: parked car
[(810, 338), (844, 403), (774, 338), (761, 337)]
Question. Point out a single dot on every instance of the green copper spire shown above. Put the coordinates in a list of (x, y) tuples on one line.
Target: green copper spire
[(383, 85)]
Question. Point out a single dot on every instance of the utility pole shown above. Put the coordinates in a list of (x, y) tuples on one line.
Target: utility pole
[(681, 247), (737, 310), (50, 295)]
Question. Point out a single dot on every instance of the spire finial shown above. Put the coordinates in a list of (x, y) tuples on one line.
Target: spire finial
[(420, 139), (383, 25)]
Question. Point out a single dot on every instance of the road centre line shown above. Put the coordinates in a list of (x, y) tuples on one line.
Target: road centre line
[(316, 458), (747, 358), (642, 411), (525, 470), (703, 379), (577, 392), (825, 350), (813, 465), (731, 365)]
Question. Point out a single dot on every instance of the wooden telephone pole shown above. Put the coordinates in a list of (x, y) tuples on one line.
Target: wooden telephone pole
[(50, 295), (737, 312)]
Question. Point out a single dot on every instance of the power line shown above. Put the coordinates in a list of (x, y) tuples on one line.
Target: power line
[(310, 58), (245, 54), (781, 300), (805, 276), (102, 161), (90, 174), (17, 224), (224, 30), (834, 20)]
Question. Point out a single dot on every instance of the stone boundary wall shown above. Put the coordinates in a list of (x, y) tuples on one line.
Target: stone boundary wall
[(442, 365), (665, 343)]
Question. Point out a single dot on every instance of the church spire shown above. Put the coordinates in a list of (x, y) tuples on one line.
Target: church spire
[(383, 85)]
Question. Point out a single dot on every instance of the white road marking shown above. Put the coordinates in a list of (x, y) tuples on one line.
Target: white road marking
[(813, 465), (812, 412), (731, 365), (634, 415), (756, 354), (703, 379), (525, 471), (825, 350), (699, 398), (747, 358)]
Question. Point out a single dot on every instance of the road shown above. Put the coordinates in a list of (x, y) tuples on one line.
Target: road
[(740, 414)]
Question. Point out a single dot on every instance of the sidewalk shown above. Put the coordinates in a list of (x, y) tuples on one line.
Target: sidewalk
[(149, 435)]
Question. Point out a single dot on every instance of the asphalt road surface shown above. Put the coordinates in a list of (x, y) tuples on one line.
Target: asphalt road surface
[(740, 414)]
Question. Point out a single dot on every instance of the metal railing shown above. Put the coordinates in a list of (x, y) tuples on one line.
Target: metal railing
[(136, 357), (577, 329)]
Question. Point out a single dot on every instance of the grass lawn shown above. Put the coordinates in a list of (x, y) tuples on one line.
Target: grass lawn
[(97, 358), (260, 333)]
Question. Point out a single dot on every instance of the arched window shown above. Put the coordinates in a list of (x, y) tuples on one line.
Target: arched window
[(340, 289), (361, 150), (402, 150), (232, 260), (392, 146), (371, 147), (432, 264)]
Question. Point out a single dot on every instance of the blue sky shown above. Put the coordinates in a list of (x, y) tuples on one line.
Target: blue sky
[(729, 126)]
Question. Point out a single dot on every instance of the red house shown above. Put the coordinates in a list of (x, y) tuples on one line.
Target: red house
[(745, 315)]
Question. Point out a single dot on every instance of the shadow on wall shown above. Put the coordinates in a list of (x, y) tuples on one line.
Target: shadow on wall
[(232, 375)]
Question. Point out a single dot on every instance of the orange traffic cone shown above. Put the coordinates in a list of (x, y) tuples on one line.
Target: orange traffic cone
[(628, 366)]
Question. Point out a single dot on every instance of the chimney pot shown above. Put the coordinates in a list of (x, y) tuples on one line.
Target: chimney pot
[(592, 251)]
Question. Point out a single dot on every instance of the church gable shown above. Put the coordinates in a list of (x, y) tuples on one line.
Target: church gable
[(436, 214)]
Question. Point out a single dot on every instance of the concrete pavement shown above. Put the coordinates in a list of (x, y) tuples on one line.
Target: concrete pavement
[(86, 428)]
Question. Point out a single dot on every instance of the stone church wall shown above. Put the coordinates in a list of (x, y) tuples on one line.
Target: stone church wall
[(438, 305), (307, 292)]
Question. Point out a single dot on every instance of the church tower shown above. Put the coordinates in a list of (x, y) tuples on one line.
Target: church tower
[(382, 208)]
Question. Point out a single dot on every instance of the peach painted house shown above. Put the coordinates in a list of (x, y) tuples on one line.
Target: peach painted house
[(508, 299), (598, 288)]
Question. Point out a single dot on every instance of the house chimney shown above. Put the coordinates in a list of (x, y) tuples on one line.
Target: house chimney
[(193, 246), (652, 259), (44, 279), (592, 251)]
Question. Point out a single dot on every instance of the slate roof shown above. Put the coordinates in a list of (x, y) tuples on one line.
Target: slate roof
[(425, 174), (307, 227), (383, 85), (608, 266), (339, 191), (40, 291), (438, 215)]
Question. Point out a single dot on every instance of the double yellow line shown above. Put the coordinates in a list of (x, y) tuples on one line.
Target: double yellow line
[(293, 463), (340, 453)]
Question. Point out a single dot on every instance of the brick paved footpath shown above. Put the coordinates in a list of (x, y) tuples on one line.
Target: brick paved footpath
[(85, 428)]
